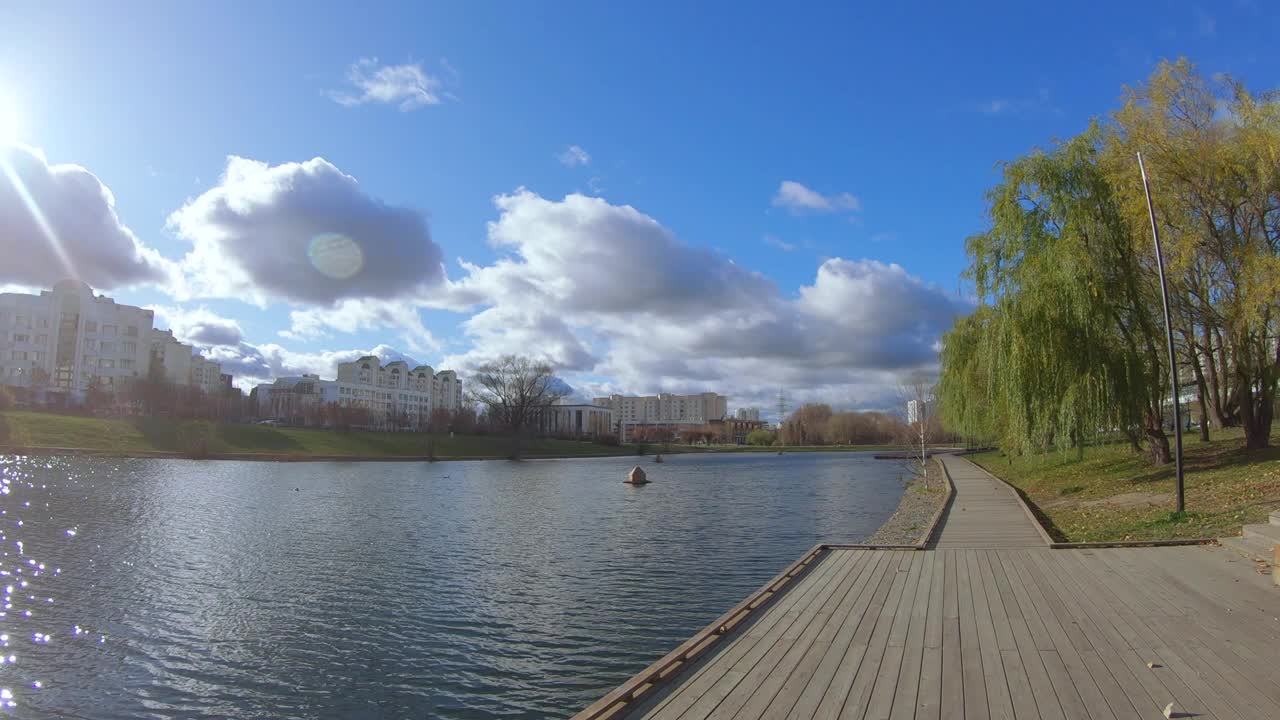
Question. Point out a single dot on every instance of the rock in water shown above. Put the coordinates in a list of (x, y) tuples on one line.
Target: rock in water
[(657, 458), (637, 476)]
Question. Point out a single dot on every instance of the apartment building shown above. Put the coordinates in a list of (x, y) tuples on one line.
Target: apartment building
[(678, 413), (575, 420), (65, 339), (394, 395), (748, 413)]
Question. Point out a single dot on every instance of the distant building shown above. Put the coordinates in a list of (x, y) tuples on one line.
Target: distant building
[(64, 339), (180, 364), (749, 413), (575, 420), (914, 410), (734, 430), (677, 412), (389, 397)]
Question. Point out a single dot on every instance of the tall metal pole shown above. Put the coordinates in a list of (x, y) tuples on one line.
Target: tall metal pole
[(1168, 326)]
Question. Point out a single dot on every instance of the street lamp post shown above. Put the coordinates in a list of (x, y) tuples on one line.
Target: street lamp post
[(1168, 326)]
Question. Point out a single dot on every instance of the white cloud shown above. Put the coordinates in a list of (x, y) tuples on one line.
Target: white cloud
[(302, 233), (59, 221), (777, 242), (573, 156), (407, 86), (200, 326), (352, 315), (800, 199), (605, 291)]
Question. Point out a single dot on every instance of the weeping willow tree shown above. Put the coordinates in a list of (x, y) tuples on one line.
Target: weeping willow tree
[(1065, 344)]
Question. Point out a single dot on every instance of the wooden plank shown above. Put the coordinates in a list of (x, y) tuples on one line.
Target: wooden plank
[(766, 630), (1045, 697), (908, 683), (1038, 646), (725, 697), (999, 699), (1081, 680), (855, 704), (815, 669), (887, 691), (809, 692), (832, 701), (975, 684), (952, 703), (764, 681), (929, 693)]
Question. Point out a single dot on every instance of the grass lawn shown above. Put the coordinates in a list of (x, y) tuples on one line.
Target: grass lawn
[(141, 435), (1114, 494)]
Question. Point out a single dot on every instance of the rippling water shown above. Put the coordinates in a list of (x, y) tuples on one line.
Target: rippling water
[(171, 588)]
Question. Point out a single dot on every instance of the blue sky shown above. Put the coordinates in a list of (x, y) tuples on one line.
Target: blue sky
[(888, 120)]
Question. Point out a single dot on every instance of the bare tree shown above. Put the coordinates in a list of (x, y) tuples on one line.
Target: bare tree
[(920, 399), (514, 391)]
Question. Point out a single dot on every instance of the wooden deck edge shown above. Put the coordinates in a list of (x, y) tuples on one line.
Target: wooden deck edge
[(617, 702), (865, 546), (927, 537), (1131, 543), (1022, 502)]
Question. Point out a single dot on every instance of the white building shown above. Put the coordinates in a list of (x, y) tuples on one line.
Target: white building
[(180, 364), (394, 396), (914, 410), (664, 409), (64, 339), (750, 413), (577, 421)]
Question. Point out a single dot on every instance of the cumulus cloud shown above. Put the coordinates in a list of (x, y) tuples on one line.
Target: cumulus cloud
[(800, 199), (610, 295), (349, 316), (586, 255), (302, 233), (574, 156), (407, 86), (200, 326), (59, 221)]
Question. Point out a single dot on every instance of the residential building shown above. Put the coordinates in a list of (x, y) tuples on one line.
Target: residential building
[(676, 412), (734, 430), (750, 413), (916, 409), (180, 364), (390, 397), (575, 420), (65, 340)]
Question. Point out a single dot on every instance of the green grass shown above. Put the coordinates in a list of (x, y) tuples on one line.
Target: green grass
[(1113, 494), (144, 435)]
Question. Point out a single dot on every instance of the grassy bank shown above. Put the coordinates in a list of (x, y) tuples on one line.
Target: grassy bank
[(149, 435), (141, 436), (1113, 494)]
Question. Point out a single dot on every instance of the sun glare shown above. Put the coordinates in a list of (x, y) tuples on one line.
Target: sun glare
[(8, 121)]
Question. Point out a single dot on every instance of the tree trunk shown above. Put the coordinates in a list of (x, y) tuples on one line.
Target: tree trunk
[(1157, 441), (1213, 385)]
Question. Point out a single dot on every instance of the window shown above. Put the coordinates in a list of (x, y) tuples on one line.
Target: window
[(105, 363), (109, 330), (19, 354), (127, 363), (44, 322), (39, 357), (91, 326), (107, 347), (131, 331), (20, 337), (22, 321), (129, 348), (42, 339)]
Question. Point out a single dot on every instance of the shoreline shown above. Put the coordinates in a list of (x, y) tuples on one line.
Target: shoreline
[(915, 512)]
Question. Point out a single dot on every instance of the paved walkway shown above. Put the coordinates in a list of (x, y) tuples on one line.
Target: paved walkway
[(999, 628)]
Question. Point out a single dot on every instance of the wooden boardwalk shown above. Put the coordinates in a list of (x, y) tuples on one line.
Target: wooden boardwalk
[(985, 512), (995, 628)]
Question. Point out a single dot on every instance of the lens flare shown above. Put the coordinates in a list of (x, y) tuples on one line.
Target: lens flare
[(335, 255)]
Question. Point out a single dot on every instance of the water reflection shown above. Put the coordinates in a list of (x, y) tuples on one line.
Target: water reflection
[(456, 590)]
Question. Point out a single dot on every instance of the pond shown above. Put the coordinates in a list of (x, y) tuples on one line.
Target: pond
[(173, 588)]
